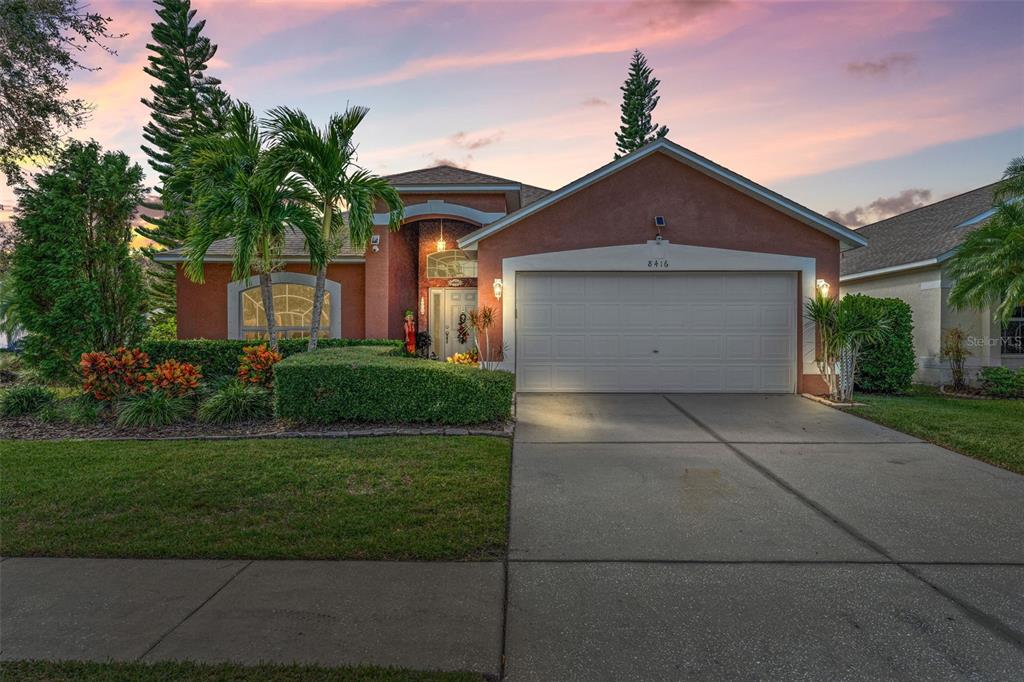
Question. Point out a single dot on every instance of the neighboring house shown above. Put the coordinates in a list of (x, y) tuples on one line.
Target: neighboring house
[(661, 271), (906, 259)]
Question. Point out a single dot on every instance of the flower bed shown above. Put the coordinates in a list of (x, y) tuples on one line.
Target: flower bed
[(374, 385)]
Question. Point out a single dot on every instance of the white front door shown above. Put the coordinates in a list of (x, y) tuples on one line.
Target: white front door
[(714, 332), (449, 321)]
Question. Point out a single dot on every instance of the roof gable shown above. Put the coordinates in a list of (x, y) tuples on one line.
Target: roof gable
[(847, 237), (446, 175), (922, 236)]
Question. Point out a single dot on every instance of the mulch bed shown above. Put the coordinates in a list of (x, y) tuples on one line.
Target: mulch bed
[(27, 428)]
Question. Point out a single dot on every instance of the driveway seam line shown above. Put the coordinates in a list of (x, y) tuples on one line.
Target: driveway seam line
[(990, 623), (191, 613)]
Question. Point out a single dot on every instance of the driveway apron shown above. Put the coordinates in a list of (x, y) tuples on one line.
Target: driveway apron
[(663, 537)]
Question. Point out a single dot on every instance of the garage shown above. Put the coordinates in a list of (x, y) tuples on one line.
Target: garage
[(692, 332)]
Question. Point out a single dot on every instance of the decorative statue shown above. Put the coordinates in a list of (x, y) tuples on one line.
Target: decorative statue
[(410, 332)]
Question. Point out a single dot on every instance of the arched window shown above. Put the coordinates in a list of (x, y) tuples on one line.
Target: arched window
[(451, 263), (293, 307)]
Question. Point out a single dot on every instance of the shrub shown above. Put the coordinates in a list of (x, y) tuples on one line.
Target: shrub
[(10, 366), (219, 357), (82, 409), (954, 351), (107, 376), (175, 378), (256, 366), (470, 357), (887, 365), (373, 385), (236, 401), (23, 400), (152, 408), (164, 330), (1002, 382)]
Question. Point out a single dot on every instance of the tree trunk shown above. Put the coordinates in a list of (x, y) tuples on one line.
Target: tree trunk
[(267, 290), (318, 307), (321, 279)]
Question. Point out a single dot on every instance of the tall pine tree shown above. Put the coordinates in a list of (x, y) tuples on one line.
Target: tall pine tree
[(185, 103), (639, 97)]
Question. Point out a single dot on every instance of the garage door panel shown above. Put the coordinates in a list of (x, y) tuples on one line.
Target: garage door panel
[(603, 316), (686, 332), (536, 316)]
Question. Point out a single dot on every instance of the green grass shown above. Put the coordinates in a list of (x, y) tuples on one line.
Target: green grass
[(40, 671), (423, 497), (989, 430)]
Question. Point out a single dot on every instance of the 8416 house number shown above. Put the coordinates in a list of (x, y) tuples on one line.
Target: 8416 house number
[(656, 263)]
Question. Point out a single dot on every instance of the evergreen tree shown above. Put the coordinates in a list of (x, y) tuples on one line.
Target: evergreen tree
[(74, 282), (186, 103), (639, 97)]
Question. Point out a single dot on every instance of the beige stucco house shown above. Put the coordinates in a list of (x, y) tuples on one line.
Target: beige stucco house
[(905, 258)]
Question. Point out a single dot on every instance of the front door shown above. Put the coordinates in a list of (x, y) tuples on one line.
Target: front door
[(449, 309)]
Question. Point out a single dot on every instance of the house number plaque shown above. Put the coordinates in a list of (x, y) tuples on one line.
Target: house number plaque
[(455, 283), (657, 263)]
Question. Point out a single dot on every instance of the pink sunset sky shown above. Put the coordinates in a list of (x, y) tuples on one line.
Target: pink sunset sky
[(864, 109)]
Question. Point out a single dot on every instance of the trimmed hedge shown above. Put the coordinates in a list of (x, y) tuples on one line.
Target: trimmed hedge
[(219, 357), (1002, 382), (888, 366), (376, 385)]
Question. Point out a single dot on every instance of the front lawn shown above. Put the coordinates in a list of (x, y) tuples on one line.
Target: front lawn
[(41, 671), (426, 497), (990, 430)]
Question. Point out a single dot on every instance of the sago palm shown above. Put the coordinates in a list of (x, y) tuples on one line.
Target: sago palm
[(325, 160), (988, 268), (241, 190)]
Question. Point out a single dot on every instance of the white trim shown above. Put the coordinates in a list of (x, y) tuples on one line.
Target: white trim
[(441, 207), (472, 187), (891, 269), (236, 288), (847, 237), (635, 258)]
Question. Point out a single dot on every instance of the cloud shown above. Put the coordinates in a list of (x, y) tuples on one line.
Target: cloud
[(595, 102), (899, 61), (882, 208), (464, 140)]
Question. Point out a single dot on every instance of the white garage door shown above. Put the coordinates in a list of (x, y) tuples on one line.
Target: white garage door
[(715, 332)]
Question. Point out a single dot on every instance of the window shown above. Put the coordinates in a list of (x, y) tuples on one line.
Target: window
[(451, 263), (1013, 333), (293, 307), (293, 310)]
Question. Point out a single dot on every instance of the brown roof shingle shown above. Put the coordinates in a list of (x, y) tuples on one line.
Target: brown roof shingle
[(446, 175), (921, 234)]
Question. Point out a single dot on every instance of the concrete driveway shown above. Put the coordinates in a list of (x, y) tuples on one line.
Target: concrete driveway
[(659, 537)]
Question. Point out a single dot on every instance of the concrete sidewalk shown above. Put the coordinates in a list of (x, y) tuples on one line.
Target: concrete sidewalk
[(426, 616)]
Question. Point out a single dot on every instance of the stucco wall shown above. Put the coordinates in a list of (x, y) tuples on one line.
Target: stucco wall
[(203, 308), (620, 209)]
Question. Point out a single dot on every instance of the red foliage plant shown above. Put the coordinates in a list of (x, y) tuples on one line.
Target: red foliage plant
[(257, 365), (111, 375), (175, 378)]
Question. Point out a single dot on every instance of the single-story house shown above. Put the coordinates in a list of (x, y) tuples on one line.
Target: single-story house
[(661, 271), (906, 259)]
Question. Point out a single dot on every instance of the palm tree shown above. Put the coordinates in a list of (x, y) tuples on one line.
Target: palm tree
[(325, 161), (988, 268), (844, 327), (242, 190)]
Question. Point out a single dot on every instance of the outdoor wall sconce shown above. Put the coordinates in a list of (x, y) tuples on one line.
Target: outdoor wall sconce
[(423, 306), (497, 289), (823, 287)]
